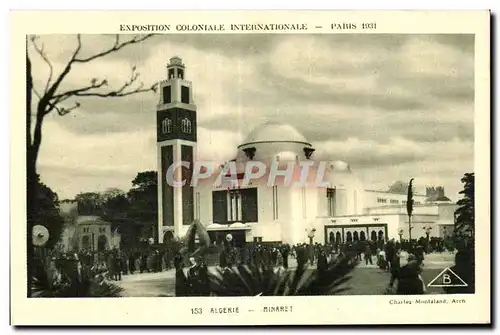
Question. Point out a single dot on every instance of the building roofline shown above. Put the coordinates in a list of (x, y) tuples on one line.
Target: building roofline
[(259, 142), (388, 192), (370, 215)]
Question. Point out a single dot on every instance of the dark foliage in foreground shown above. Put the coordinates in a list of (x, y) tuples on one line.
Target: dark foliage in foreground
[(88, 287), (267, 281)]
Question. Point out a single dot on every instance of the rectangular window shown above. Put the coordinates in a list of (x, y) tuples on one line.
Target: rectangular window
[(167, 94), (257, 239), (185, 94), (187, 189), (234, 206), (219, 206), (381, 200), (249, 206), (167, 159), (330, 201), (275, 202)]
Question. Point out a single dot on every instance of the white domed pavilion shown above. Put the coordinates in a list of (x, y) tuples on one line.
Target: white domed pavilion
[(333, 203)]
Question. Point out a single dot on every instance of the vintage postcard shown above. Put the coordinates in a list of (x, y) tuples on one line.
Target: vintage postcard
[(250, 168)]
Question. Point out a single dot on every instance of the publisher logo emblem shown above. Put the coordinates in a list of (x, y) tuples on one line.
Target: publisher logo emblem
[(447, 278)]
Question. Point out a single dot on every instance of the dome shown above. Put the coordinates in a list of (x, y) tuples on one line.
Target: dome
[(275, 132)]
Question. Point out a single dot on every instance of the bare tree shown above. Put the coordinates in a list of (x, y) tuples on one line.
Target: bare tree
[(53, 98)]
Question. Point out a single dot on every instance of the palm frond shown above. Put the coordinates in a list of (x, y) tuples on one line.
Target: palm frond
[(65, 288), (267, 281)]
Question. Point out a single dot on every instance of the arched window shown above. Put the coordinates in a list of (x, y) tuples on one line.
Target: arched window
[(373, 235), (331, 237), (362, 236), (380, 235), (86, 242), (102, 242), (166, 126), (338, 238), (186, 126), (349, 237), (355, 236)]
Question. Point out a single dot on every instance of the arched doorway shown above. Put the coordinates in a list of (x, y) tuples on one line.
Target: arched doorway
[(355, 236), (168, 237), (373, 235), (338, 238), (380, 235), (86, 242), (362, 236), (102, 241), (348, 237), (331, 237)]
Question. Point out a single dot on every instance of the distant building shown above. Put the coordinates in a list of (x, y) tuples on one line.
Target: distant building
[(341, 211), (85, 232), (436, 194)]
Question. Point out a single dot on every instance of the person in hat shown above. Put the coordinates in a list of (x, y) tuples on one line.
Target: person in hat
[(410, 281), (194, 278), (180, 277), (395, 267)]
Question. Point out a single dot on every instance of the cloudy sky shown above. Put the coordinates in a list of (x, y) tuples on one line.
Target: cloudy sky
[(394, 106)]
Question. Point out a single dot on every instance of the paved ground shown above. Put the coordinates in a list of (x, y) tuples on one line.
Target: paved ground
[(366, 279)]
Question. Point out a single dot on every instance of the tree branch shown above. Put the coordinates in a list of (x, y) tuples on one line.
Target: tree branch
[(116, 46), (42, 54), (124, 90), (52, 90), (93, 84)]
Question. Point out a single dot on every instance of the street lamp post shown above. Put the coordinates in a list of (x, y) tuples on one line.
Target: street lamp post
[(310, 234), (400, 233), (427, 232)]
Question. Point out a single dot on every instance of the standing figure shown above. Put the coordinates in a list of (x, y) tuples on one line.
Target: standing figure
[(131, 262), (368, 254), (180, 277), (194, 284), (117, 266), (204, 279), (322, 262), (395, 267), (285, 252), (409, 280)]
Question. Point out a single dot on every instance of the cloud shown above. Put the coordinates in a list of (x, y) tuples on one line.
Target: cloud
[(391, 105)]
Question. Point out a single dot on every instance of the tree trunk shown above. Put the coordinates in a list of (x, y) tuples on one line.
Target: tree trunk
[(30, 180)]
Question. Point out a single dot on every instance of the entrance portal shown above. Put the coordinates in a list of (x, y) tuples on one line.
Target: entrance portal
[(362, 236)]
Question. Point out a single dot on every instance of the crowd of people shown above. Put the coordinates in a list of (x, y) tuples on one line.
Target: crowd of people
[(386, 255)]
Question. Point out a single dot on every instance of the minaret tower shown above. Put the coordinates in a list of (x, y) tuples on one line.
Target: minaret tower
[(176, 142)]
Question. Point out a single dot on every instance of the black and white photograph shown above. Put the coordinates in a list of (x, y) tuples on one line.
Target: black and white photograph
[(197, 163)]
